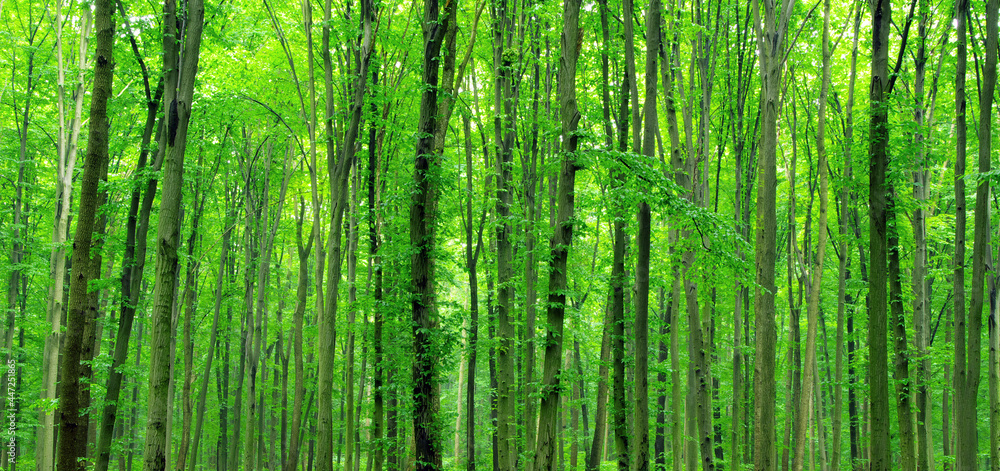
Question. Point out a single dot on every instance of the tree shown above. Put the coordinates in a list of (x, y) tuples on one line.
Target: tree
[(771, 30), (179, 94), (562, 239)]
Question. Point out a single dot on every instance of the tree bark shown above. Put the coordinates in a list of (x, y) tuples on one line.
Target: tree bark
[(812, 308), (562, 239), (86, 266), (771, 44), (643, 243), (45, 447), (504, 137), (423, 204), (180, 91), (981, 249), (878, 218), (965, 445)]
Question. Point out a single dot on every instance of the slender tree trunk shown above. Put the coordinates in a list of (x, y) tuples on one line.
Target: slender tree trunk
[(981, 249), (964, 435), (594, 458), (562, 239), (770, 42), (643, 242), (45, 447), (190, 305), (471, 261), (901, 373), (213, 339), (339, 169), (921, 308), (812, 308)]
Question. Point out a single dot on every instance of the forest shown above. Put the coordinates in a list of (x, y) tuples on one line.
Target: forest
[(508, 235)]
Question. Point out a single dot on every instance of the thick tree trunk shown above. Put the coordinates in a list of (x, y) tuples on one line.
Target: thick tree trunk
[(878, 218), (562, 239), (423, 205), (86, 266)]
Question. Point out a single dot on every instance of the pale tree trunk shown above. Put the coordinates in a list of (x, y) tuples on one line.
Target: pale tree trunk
[(67, 153), (179, 93), (292, 456), (471, 259), (72, 396), (771, 31), (352, 295), (562, 238), (267, 231), (921, 307), (812, 308)]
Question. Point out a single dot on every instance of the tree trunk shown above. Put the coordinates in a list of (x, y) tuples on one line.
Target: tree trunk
[(422, 240), (45, 447), (190, 306), (770, 43), (213, 340), (878, 216), (812, 308), (921, 307), (594, 458), (562, 239), (179, 94), (981, 255), (72, 425), (643, 243), (504, 138), (965, 444)]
